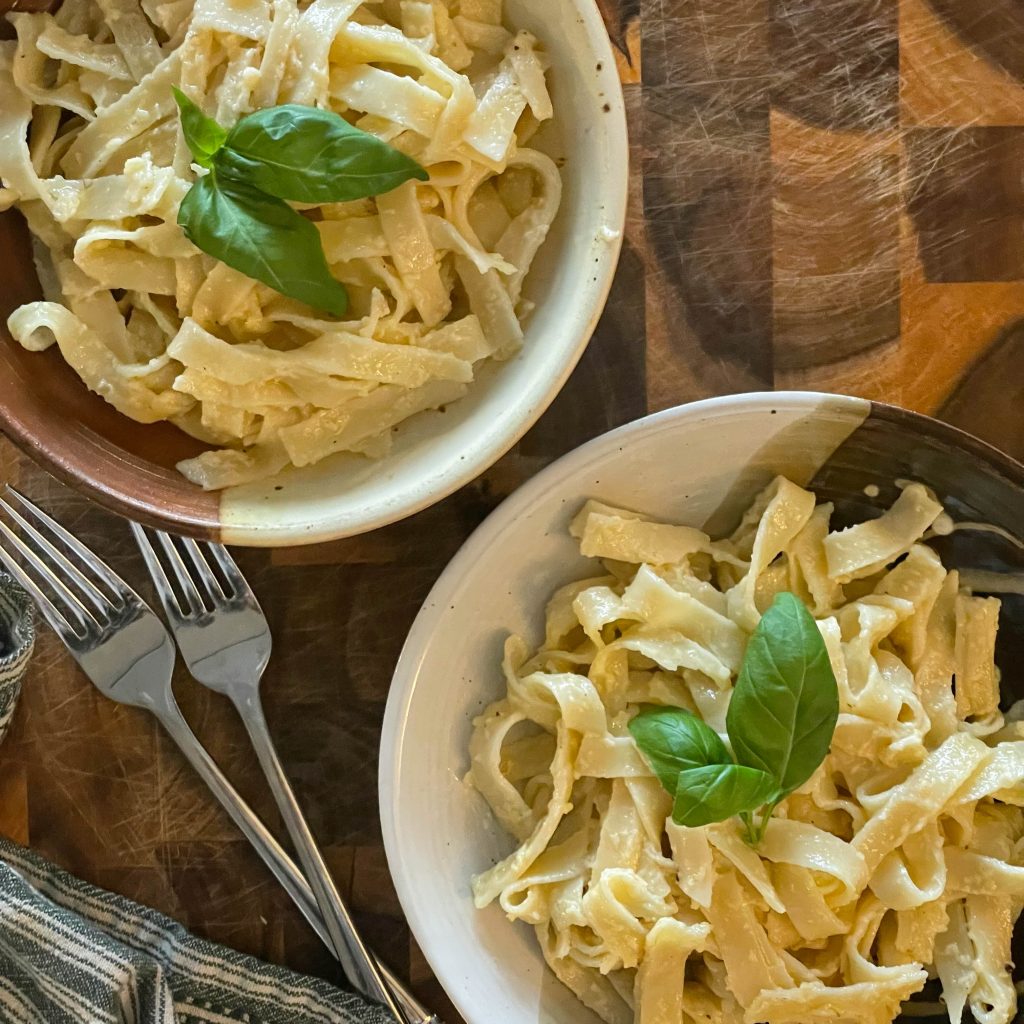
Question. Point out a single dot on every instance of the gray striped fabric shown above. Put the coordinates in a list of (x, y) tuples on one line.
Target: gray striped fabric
[(73, 954), (17, 635)]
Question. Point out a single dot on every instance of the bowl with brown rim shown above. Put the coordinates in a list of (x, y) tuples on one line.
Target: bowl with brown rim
[(130, 468)]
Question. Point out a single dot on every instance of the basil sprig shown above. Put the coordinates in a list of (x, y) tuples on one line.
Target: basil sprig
[(203, 135), (309, 155), (785, 704), (695, 766), (263, 237), (237, 211), (781, 718)]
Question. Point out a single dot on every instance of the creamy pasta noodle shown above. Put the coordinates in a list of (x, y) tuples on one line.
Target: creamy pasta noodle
[(901, 858), (92, 154)]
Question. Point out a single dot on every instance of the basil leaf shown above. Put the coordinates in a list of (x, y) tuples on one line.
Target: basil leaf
[(203, 135), (262, 237), (672, 741), (716, 792), (785, 704), (309, 155)]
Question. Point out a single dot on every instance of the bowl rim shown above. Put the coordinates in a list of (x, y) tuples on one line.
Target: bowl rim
[(438, 486), (406, 675)]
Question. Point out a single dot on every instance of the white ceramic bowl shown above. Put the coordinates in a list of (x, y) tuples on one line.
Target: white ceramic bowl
[(693, 465), (436, 453)]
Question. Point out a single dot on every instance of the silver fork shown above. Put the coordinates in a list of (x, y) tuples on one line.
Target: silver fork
[(128, 655), (224, 638)]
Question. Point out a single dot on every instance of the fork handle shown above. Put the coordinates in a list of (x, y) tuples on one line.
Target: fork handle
[(273, 855), (355, 958)]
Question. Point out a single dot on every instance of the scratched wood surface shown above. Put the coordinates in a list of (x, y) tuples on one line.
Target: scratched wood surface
[(826, 194)]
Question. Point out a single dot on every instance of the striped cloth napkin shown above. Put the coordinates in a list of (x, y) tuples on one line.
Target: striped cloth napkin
[(17, 635), (74, 954)]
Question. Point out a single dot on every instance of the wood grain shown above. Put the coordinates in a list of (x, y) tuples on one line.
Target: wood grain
[(825, 194)]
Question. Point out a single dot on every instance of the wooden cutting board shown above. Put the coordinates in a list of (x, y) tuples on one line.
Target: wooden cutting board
[(827, 194), (831, 197)]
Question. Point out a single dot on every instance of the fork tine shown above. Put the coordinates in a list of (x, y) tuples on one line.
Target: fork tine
[(232, 573), (88, 557), (66, 630), (169, 600), (207, 579), (98, 600), (188, 588), (39, 562)]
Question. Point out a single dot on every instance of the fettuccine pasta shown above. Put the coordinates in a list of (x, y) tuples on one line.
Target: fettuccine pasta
[(92, 154), (901, 858)]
